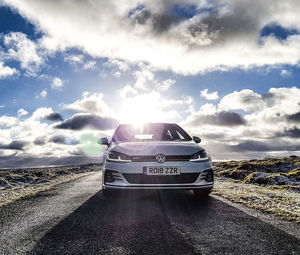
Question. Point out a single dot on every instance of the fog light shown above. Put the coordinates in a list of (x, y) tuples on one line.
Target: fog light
[(209, 175), (108, 177)]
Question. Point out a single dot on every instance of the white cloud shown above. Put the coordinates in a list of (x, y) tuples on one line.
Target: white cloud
[(24, 50), (121, 65), (90, 103), (144, 77), (74, 58), (246, 100), (6, 71), (89, 65), (57, 83), (166, 84), (22, 112), (209, 96), (127, 91), (7, 121), (2, 106), (210, 40), (41, 113), (285, 73)]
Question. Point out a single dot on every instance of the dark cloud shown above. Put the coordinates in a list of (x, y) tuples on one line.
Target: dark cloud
[(210, 24), (294, 117), (80, 121), (55, 116), (220, 119), (40, 141), (293, 132), (250, 146), (262, 146), (162, 22), (14, 145), (61, 139), (14, 161)]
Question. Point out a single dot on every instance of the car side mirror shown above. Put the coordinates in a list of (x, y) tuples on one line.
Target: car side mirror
[(196, 139), (103, 141)]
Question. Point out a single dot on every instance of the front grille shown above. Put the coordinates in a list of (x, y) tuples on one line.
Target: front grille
[(156, 179), (153, 158)]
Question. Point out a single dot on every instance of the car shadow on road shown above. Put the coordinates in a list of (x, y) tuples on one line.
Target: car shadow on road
[(162, 223), (130, 224)]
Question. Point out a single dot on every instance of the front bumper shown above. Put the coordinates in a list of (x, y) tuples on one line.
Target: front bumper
[(120, 172)]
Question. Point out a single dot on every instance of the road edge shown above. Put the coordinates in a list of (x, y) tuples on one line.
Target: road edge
[(288, 227)]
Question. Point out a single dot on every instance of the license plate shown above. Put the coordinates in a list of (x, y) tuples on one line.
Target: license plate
[(163, 170)]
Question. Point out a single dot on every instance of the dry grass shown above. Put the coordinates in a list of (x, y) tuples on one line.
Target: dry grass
[(270, 199)]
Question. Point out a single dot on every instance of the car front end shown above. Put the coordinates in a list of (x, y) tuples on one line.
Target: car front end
[(152, 165)]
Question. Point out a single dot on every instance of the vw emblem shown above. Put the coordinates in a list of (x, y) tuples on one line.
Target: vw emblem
[(160, 158)]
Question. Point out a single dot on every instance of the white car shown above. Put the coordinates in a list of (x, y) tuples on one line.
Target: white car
[(155, 156)]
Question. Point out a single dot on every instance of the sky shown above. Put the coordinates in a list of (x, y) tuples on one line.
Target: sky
[(71, 71)]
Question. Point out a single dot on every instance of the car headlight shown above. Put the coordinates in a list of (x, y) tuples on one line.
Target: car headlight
[(200, 156), (118, 157)]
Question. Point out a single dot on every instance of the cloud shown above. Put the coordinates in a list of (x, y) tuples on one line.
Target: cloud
[(73, 59), (127, 91), (62, 139), (14, 145), (83, 120), (228, 119), (263, 147), (245, 99), (7, 121), (292, 132), (209, 96), (166, 84), (40, 140), (211, 35), (90, 103), (294, 117), (58, 139), (22, 112), (54, 116), (41, 113), (6, 71), (57, 83), (24, 50), (14, 161), (285, 73)]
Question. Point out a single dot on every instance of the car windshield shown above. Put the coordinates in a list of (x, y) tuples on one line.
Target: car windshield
[(150, 132)]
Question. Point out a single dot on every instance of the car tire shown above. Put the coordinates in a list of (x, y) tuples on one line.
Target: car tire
[(201, 193)]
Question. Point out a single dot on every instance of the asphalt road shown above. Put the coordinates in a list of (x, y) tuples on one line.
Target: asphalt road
[(74, 218)]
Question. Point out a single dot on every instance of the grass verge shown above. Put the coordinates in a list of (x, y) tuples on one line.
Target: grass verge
[(269, 199)]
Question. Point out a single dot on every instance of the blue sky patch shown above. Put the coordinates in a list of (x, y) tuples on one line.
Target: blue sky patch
[(278, 31)]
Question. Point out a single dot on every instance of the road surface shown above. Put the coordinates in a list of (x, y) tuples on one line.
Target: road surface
[(74, 218)]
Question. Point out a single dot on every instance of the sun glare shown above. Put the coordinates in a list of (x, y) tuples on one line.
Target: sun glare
[(141, 109)]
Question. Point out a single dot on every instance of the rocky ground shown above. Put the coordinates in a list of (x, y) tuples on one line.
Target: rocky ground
[(271, 185), (18, 183)]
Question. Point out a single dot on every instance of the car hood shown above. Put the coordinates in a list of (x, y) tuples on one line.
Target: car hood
[(154, 148)]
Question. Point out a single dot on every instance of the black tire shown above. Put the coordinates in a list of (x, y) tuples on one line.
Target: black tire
[(201, 193)]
